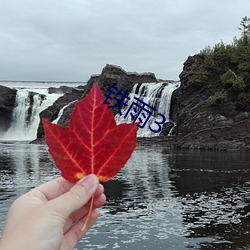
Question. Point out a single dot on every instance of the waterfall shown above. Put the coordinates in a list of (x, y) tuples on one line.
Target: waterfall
[(156, 95), (25, 117), (31, 101), (61, 112), (21, 111)]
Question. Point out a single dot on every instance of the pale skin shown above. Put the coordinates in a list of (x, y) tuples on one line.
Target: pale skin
[(50, 216)]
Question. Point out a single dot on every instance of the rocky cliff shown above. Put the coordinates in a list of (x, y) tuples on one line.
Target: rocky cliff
[(7, 104), (124, 80), (51, 113), (211, 115)]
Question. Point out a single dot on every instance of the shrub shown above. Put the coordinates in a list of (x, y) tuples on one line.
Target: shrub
[(197, 75), (234, 81), (242, 96), (227, 78), (239, 84), (206, 51), (216, 98)]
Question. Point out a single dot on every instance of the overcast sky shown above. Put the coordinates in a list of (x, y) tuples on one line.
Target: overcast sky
[(68, 40)]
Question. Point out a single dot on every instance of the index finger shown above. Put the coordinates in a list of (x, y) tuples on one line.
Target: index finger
[(54, 188)]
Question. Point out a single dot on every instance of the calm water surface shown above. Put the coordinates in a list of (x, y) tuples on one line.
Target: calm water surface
[(161, 200)]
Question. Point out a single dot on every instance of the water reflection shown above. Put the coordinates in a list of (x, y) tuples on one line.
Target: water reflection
[(142, 210), (161, 200), (22, 167), (214, 187), (26, 164)]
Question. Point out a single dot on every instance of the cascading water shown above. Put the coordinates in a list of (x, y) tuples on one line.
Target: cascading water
[(156, 95), (61, 112), (25, 117), (20, 112)]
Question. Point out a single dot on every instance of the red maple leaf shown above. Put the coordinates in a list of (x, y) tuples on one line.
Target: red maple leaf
[(92, 142)]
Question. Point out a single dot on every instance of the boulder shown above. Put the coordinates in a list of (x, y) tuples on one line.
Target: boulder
[(124, 80), (166, 128), (115, 74), (7, 104), (52, 112)]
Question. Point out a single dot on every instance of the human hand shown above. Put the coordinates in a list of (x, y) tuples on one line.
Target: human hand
[(50, 216)]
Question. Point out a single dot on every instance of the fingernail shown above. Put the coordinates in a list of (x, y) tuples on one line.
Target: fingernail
[(89, 182)]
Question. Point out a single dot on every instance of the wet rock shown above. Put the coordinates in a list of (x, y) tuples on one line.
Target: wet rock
[(166, 128), (7, 105), (52, 112)]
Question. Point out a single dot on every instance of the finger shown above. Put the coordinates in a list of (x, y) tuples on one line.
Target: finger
[(75, 198), (99, 190), (99, 201), (54, 188), (77, 215), (75, 234)]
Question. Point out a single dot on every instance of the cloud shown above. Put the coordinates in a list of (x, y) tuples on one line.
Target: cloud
[(70, 40)]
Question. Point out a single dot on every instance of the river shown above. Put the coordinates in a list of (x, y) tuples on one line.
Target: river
[(162, 199)]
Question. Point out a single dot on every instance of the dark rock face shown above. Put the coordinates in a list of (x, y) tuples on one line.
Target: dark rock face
[(124, 80), (7, 104), (166, 128), (52, 112), (221, 127), (31, 101), (115, 74), (176, 98)]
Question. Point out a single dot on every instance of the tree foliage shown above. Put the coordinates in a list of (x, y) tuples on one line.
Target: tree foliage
[(225, 65), (216, 98), (245, 28)]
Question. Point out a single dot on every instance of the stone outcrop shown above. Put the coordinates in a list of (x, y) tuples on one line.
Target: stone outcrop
[(7, 104), (115, 74), (223, 126), (52, 112), (124, 80), (167, 128)]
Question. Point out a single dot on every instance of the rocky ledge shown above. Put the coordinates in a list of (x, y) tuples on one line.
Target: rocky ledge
[(124, 80), (206, 119), (51, 113), (7, 104), (115, 74)]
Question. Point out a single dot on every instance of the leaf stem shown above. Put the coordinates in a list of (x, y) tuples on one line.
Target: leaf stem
[(84, 228)]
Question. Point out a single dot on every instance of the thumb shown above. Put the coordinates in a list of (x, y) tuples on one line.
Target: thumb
[(76, 197)]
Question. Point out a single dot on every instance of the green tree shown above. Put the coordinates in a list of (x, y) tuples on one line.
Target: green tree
[(245, 28)]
